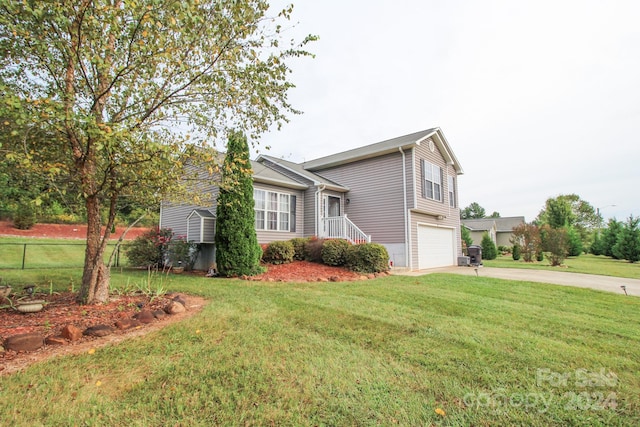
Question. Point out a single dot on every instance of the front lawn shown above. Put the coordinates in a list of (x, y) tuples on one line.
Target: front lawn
[(433, 350), (586, 263)]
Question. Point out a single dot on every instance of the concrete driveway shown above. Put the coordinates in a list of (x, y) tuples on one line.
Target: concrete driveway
[(592, 281)]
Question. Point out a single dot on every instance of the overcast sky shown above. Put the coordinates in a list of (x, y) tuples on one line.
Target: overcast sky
[(536, 98)]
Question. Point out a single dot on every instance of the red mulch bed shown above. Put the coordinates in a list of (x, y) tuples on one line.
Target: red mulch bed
[(63, 231), (305, 271)]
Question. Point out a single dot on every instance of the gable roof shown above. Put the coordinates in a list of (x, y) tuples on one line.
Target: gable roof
[(303, 173), (508, 223), (484, 224), (505, 224), (386, 147), (266, 175)]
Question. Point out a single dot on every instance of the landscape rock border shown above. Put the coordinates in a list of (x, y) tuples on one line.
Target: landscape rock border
[(35, 347)]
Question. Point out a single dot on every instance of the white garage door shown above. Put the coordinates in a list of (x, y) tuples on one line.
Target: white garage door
[(435, 247)]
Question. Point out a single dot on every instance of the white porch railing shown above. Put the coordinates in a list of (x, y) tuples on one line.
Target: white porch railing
[(341, 227)]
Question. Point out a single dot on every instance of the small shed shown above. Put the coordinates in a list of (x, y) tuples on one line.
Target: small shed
[(201, 226)]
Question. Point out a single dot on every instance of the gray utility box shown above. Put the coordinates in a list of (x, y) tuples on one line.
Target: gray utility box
[(475, 254), (464, 261)]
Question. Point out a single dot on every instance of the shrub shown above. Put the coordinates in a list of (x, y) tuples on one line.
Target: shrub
[(183, 253), (556, 243), (367, 258), (298, 247), (539, 256), (504, 249), (24, 217), (334, 252), (515, 254), (149, 249), (279, 252), (489, 250), (313, 250)]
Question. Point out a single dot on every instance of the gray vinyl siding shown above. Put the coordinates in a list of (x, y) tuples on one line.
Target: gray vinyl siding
[(201, 229), (309, 207), (423, 204), (375, 195), (174, 216), (265, 236), (174, 213), (194, 227), (425, 211)]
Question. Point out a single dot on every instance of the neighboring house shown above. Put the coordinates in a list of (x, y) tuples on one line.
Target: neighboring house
[(500, 229), (401, 193), (479, 227)]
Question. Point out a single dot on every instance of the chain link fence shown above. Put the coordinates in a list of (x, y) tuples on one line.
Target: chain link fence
[(34, 255)]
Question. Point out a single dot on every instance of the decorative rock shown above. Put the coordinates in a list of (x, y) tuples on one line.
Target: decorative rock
[(371, 276), (144, 316), (55, 341), (127, 324), (159, 314), (174, 307), (24, 342), (362, 278), (98, 331), (334, 279), (71, 333), (179, 299)]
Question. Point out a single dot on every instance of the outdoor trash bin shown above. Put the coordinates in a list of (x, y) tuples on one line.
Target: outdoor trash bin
[(475, 254)]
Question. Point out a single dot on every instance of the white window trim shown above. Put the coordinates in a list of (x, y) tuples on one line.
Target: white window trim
[(279, 213), (452, 190), (429, 169)]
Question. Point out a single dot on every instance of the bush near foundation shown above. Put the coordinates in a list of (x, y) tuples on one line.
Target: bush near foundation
[(298, 247), (368, 258), (279, 252), (334, 252)]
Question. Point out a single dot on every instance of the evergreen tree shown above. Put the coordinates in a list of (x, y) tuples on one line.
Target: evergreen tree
[(237, 250), (489, 250), (473, 211), (574, 242), (628, 243), (610, 237), (597, 246)]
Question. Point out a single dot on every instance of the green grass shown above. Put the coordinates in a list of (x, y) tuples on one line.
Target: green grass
[(45, 253), (587, 263), (378, 352)]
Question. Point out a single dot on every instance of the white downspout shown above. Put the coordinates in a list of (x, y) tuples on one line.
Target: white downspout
[(321, 188), (406, 221)]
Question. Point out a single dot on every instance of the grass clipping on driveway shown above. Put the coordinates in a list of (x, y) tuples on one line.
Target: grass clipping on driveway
[(437, 349)]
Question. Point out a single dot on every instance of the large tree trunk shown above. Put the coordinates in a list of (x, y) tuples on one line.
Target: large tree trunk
[(96, 275)]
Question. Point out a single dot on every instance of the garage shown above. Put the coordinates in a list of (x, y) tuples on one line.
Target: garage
[(435, 247)]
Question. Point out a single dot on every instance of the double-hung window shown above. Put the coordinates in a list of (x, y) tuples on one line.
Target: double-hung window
[(272, 210), (432, 181), (452, 191)]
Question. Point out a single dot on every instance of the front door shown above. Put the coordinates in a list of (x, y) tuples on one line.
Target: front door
[(331, 221), (332, 206)]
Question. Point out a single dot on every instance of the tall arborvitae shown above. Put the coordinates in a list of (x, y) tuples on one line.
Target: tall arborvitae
[(237, 250)]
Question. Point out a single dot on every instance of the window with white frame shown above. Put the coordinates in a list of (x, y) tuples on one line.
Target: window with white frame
[(432, 181), (272, 210), (452, 191)]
